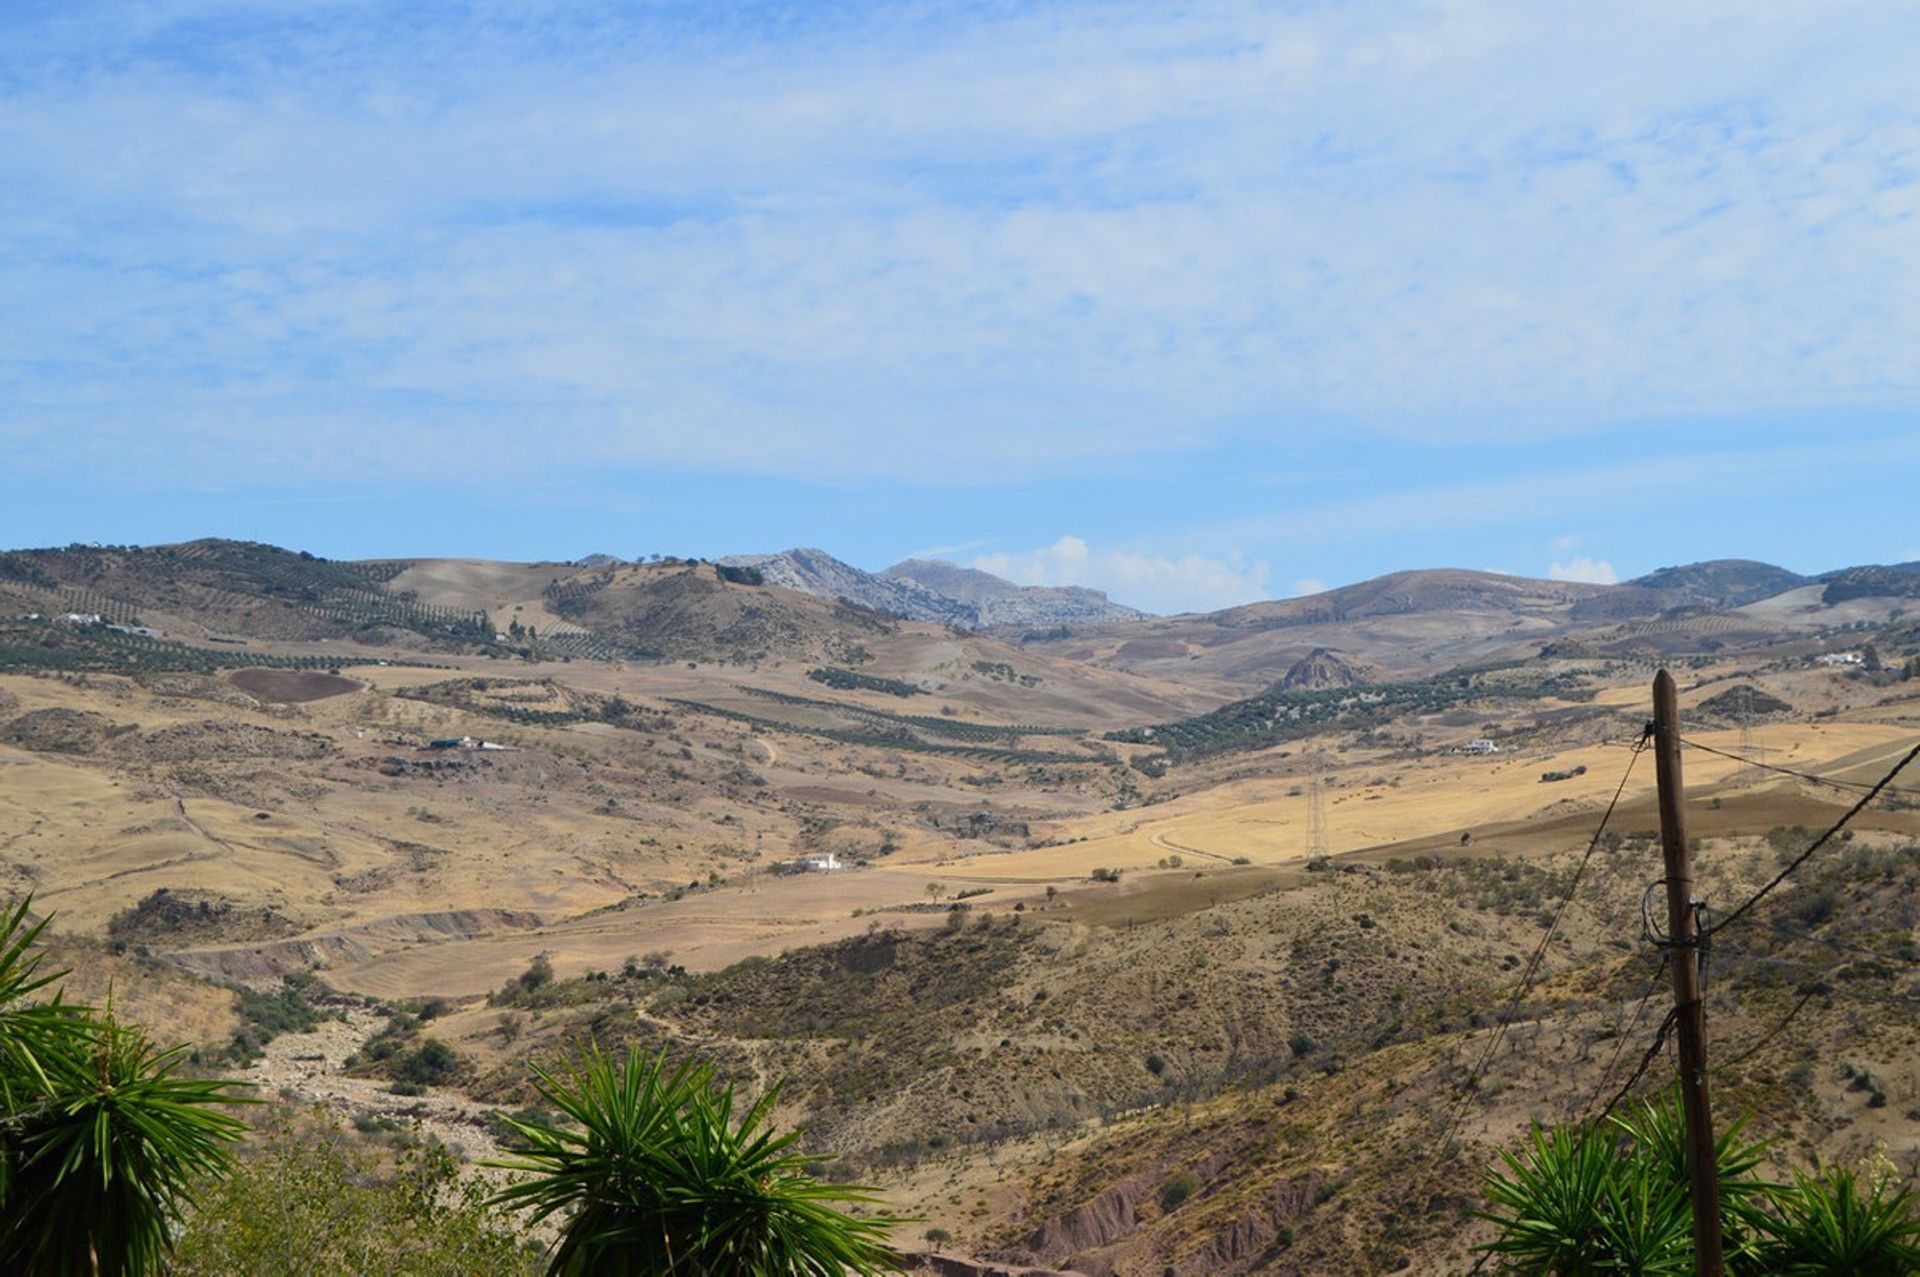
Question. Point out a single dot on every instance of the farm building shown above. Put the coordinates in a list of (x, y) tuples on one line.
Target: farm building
[(824, 863)]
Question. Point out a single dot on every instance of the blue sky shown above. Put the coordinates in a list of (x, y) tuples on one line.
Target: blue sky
[(1196, 303)]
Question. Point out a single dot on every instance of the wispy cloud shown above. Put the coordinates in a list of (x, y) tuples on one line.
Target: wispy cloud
[(940, 245), (948, 551), (1152, 582)]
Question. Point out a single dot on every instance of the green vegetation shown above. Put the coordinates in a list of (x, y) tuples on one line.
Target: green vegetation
[(1743, 702), (43, 645), (737, 575), (853, 680), (654, 1173), (265, 1016), (1871, 582), (101, 1139), (1275, 715), (956, 729), (1178, 1188), (1612, 1197), (897, 739), (310, 1198), (1002, 672)]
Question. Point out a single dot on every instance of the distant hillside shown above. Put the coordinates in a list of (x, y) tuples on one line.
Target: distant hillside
[(921, 590), (1898, 581), (691, 610), (999, 602), (1414, 593), (1721, 582), (233, 587)]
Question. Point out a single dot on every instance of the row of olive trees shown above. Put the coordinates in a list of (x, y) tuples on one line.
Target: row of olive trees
[(105, 1146)]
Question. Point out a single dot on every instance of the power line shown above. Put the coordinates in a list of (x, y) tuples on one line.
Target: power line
[(1825, 980), (1624, 1031), (1817, 843), (1854, 785), (1646, 1062), (1903, 959), (1805, 997), (1459, 1111)]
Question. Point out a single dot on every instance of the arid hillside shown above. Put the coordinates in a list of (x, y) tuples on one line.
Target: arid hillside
[(1117, 958)]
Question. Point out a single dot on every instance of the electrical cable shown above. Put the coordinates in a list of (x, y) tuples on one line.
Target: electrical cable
[(1855, 785), (1817, 843), (1463, 1099)]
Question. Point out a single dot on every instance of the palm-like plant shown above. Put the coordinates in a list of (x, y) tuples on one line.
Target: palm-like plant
[(1612, 1197), (1833, 1223), (1586, 1199), (661, 1176), (1566, 1204), (100, 1138)]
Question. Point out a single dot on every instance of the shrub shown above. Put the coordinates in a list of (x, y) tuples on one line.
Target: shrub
[(314, 1200), (428, 1064), (1178, 1188)]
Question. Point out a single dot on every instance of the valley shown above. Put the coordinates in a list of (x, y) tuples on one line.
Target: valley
[(1109, 899)]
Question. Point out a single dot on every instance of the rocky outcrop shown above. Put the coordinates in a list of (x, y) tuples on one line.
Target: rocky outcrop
[(998, 602), (1320, 668), (932, 590)]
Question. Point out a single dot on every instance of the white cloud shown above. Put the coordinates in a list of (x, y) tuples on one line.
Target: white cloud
[(953, 248), (1583, 569), (1152, 582)]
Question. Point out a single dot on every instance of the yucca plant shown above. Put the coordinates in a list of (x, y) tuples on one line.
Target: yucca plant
[(661, 1176), (1658, 1131), (100, 1138), (1612, 1197), (1576, 1201), (1833, 1223), (1588, 1199)]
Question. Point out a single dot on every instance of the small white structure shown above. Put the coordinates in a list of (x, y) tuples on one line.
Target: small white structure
[(1842, 658), (1481, 746), (78, 618), (825, 863)]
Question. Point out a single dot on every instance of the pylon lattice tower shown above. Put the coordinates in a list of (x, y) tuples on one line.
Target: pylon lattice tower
[(1316, 806)]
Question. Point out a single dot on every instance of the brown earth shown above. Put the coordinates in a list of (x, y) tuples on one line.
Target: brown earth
[(291, 686)]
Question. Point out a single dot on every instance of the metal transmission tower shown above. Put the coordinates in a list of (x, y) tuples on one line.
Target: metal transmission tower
[(1747, 773), (1754, 769), (1316, 806)]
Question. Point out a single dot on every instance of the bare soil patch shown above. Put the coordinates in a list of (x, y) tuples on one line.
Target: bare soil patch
[(292, 686)]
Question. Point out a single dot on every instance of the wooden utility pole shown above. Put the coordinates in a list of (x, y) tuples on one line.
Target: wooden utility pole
[(1702, 1168)]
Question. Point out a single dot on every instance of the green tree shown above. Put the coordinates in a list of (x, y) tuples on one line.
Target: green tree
[(656, 1174), (313, 1199), (101, 1139)]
